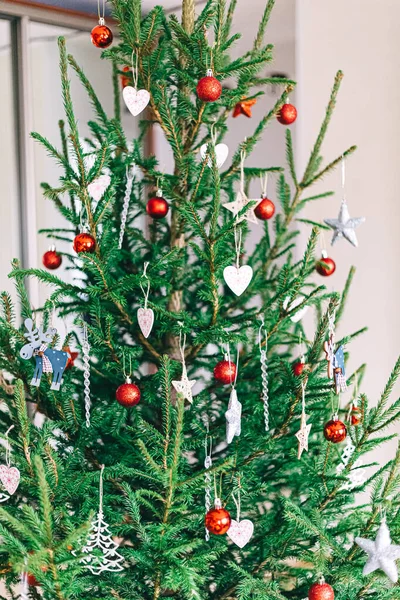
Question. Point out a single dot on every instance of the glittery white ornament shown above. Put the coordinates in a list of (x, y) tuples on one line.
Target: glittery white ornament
[(382, 554), (233, 417)]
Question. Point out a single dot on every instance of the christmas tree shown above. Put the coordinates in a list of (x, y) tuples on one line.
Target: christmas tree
[(221, 420)]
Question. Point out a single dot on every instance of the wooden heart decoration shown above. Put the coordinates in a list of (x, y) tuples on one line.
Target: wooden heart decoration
[(237, 279), (221, 154), (97, 188), (135, 100), (145, 319), (240, 532), (9, 477)]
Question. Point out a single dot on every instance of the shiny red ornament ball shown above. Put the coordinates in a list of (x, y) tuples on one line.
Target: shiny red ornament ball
[(51, 259), (84, 242), (157, 207), (225, 371), (335, 431), (287, 115), (321, 591), (298, 368), (356, 415), (32, 581), (209, 89), (265, 209), (325, 266), (218, 521), (126, 79), (128, 394), (102, 36)]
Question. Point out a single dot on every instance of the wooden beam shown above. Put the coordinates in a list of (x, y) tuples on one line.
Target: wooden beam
[(54, 15)]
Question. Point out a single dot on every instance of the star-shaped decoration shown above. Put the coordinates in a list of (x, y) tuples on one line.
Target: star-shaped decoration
[(344, 226), (184, 386), (72, 356), (244, 107), (233, 417), (302, 434), (240, 202), (382, 554)]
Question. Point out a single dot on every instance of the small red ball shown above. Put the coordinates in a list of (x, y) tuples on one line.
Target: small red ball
[(32, 581), (157, 207), (265, 209), (298, 368), (356, 415), (126, 79), (102, 36), (128, 394), (321, 591), (52, 260), (287, 114), (325, 266), (335, 431), (218, 521), (225, 371), (84, 242), (209, 89)]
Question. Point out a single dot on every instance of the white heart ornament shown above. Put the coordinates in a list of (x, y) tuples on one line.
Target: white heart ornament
[(221, 154), (135, 100), (240, 532), (9, 477), (237, 279), (145, 319), (97, 188)]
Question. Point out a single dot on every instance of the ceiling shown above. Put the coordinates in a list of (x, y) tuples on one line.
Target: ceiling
[(90, 6)]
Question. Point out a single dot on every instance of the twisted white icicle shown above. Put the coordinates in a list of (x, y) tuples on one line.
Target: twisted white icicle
[(264, 381), (86, 374), (207, 490), (127, 197)]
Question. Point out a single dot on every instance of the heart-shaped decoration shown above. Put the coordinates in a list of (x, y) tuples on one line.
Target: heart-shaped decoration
[(97, 188), (221, 154), (237, 279), (9, 477), (240, 532), (135, 100), (145, 319)]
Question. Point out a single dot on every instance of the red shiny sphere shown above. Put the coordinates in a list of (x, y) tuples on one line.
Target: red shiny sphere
[(209, 89), (335, 431), (84, 242), (218, 521), (126, 79), (225, 371), (321, 591), (298, 368), (356, 415), (52, 260), (265, 210), (102, 36), (128, 394), (287, 114), (157, 207), (32, 581), (325, 266)]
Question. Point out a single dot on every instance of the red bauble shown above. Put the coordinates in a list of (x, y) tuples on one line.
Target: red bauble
[(356, 415), (298, 368), (157, 207), (102, 36), (265, 209), (72, 356), (125, 79), (32, 581), (128, 394), (209, 88), (335, 431), (225, 371), (321, 591), (51, 259), (287, 114), (325, 266), (218, 521), (84, 242)]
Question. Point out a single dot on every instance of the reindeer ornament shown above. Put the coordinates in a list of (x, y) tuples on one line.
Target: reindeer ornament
[(48, 360)]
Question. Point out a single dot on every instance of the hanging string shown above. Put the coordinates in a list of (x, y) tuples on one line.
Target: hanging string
[(101, 490), (8, 447), (303, 398), (237, 502), (127, 375), (102, 12), (228, 351), (135, 69), (238, 245), (264, 185), (147, 291), (343, 179), (242, 159)]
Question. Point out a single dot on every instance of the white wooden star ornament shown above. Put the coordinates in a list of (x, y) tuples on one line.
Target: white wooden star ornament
[(240, 202), (382, 554)]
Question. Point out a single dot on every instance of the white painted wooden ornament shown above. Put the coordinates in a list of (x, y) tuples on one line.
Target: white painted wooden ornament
[(238, 278), (221, 154), (9, 476), (145, 315), (135, 100), (98, 187)]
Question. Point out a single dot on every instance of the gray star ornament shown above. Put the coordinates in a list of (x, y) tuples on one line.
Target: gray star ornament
[(382, 554), (344, 226), (233, 417), (240, 202), (184, 386), (302, 435)]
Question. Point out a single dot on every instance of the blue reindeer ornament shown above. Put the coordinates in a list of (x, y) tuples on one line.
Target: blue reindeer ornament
[(47, 359)]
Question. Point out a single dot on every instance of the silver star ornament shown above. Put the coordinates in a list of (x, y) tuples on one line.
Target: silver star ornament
[(344, 226), (233, 417), (184, 386), (382, 554), (302, 435), (240, 202)]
